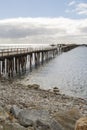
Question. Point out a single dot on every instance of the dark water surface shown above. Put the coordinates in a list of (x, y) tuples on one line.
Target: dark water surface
[(67, 71)]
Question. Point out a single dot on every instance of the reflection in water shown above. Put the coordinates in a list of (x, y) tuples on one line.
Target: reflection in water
[(67, 71)]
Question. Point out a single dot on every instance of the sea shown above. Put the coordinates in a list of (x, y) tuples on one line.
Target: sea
[(67, 71)]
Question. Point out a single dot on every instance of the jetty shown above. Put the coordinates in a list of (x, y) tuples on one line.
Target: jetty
[(14, 60)]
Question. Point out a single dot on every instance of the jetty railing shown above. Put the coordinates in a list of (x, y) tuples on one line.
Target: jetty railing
[(16, 51)]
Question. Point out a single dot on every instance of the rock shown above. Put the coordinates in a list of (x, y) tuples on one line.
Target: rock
[(2, 104), (8, 107), (56, 90), (54, 125), (24, 119), (3, 115), (68, 118), (15, 111), (39, 119), (1, 127), (34, 86), (13, 126), (47, 125), (81, 124), (39, 125), (29, 86)]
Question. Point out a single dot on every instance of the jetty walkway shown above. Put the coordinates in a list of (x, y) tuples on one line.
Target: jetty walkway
[(14, 60)]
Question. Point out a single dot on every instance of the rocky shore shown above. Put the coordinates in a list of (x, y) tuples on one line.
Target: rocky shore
[(27, 107)]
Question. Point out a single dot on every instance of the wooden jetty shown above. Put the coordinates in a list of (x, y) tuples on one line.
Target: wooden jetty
[(15, 60), (67, 47)]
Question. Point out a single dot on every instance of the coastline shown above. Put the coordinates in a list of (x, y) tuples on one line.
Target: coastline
[(32, 97)]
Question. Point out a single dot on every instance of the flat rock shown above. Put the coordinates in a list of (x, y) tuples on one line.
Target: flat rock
[(39, 119)]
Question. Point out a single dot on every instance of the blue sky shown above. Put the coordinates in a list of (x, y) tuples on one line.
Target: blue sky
[(43, 21), (39, 8)]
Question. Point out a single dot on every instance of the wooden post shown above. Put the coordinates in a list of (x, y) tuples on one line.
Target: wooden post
[(42, 57), (25, 61), (36, 59), (3, 66), (31, 61), (22, 63), (16, 64), (0, 68), (19, 64), (53, 53), (9, 67), (12, 66)]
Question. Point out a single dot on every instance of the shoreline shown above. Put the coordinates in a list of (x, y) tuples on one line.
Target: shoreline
[(32, 97), (10, 89)]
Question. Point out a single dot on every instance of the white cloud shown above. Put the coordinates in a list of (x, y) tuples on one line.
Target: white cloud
[(71, 3), (81, 8), (42, 30), (77, 8)]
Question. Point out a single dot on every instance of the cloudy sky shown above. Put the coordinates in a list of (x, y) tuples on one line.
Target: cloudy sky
[(43, 21)]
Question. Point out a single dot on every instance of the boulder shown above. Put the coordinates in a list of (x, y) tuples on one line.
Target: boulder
[(81, 124), (68, 118), (15, 111), (39, 119)]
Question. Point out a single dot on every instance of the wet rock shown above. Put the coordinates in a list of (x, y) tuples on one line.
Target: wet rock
[(15, 111), (39, 119), (56, 90), (29, 86), (81, 124), (34, 86)]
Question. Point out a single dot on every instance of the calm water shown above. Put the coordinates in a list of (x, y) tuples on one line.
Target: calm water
[(67, 71)]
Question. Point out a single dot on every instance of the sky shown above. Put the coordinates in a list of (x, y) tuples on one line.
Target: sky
[(43, 21)]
